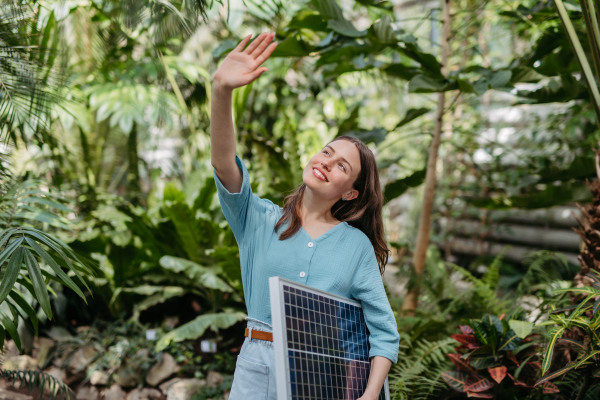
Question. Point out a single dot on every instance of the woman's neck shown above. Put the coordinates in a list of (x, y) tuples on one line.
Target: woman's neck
[(313, 209)]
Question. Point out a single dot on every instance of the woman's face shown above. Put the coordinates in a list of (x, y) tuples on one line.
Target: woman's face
[(339, 164)]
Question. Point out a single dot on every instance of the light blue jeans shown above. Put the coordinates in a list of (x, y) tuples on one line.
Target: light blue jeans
[(254, 376)]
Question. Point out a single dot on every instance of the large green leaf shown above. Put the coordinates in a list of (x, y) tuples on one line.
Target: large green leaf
[(199, 275), (196, 328), (399, 186), (158, 298), (521, 328), (292, 47)]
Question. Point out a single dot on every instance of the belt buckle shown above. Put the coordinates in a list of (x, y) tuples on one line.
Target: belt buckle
[(250, 334)]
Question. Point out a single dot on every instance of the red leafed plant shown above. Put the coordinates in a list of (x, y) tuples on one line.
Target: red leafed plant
[(496, 359)]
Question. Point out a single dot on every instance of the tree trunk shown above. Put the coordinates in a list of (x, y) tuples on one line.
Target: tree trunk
[(411, 300)]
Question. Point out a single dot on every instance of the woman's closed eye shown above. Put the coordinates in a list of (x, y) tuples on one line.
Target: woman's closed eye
[(340, 164)]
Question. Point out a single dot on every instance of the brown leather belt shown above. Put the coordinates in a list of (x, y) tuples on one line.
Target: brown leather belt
[(261, 335)]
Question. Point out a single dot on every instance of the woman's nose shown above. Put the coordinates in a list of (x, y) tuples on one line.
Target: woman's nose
[(326, 166)]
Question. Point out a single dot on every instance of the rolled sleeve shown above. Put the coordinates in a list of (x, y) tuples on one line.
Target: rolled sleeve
[(379, 317), (244, 211)]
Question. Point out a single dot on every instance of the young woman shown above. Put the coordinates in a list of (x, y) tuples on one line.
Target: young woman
[(329, 234)]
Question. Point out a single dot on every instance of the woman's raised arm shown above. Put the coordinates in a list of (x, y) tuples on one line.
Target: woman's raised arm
[(239, 68)]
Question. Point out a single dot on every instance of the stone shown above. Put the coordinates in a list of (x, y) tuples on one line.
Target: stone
[(10, 349), (214, 379), (185, 389), (126, 376), (82, 357), (42, 349), (99, 378), (87, 393), (58, 373), (113, 393), (22, 363), (8, 395), (162, 370), (145, 394), (164, 387)]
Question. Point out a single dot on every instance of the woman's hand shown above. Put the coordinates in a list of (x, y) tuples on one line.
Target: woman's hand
[(240, 67)]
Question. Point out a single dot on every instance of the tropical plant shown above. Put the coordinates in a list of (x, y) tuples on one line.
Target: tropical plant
[(492, 349), (584, 319), (175, 249), (417, 375), (29, 74)]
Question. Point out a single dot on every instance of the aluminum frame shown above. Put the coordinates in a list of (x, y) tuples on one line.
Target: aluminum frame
[(282, 365)]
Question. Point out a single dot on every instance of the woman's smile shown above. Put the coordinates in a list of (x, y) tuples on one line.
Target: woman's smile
[(319, 174)]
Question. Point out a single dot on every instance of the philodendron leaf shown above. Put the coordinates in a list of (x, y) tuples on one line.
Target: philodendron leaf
[(196, 328), (521, 328)]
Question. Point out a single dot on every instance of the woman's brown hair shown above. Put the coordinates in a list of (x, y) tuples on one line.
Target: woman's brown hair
[(363, 212)]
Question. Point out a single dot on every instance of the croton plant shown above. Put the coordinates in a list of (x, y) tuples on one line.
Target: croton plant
[(496, 359)]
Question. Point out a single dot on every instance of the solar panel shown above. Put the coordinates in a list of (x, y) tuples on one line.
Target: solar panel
[(321, 344)]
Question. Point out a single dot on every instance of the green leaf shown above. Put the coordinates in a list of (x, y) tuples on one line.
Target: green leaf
[(521, 328), (411, 115), (158, 298), (26, 307), (196, 328), (56, 268), (555, 334), (39, 284), (426, 84), (14, 267), (398, 187), (12, 330), (479, 332), (345, 27), (292, 47), (198, 274), (580, 54), (510, 341), (383, 30), (500, 79), (556, 374)]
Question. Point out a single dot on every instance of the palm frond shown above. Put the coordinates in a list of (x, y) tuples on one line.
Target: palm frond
[(42, 381), (29, 78)]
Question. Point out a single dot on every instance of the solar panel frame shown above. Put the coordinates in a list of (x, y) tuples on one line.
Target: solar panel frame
[(280, 342)]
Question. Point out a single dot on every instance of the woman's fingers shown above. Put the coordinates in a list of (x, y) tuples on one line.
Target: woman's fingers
[(266, 54), (242, 44), (255, 43), (262, 46)]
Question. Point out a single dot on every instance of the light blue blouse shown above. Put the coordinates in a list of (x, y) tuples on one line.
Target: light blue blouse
[(341, 261)]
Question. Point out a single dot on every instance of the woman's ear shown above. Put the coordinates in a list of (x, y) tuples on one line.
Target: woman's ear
[(351, 195)]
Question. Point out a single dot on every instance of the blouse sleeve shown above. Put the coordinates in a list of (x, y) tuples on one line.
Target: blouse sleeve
[(245, 212), (368, 288)]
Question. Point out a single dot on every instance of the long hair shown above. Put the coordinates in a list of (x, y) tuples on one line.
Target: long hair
[(363, 213)]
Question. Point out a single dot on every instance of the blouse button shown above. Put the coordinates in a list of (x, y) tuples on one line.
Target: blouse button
[(310, 244), (302, 274)]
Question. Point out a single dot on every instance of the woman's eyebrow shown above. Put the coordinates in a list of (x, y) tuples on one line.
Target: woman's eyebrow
[(343, 159)]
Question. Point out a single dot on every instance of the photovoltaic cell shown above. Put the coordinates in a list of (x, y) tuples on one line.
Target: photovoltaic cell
[(321, 344)]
